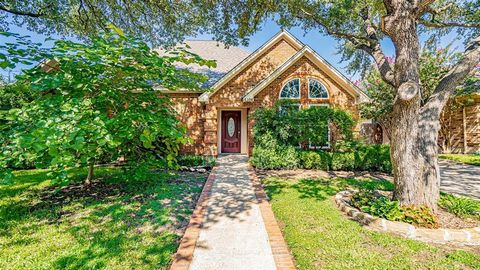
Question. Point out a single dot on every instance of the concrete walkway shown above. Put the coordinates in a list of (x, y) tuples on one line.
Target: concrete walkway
[(459, 178), (233, 234)]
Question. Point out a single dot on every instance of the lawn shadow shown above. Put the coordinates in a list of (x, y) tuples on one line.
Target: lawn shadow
[(109, 218), (324, 188)]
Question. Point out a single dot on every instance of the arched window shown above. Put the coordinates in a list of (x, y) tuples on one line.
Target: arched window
[(316, 89), (291, 89)]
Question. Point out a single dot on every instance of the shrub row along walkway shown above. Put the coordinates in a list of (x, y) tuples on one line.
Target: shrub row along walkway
[(460, 178), (237, 229)]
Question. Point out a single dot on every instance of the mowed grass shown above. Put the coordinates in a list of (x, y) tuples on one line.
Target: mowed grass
[(115, 224), (320, 237), (472, 159)]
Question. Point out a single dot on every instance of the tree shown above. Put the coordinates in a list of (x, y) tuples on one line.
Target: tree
[(434, 64), (96, 102)]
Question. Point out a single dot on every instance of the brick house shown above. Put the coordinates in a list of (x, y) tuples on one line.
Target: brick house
[(219, 121)]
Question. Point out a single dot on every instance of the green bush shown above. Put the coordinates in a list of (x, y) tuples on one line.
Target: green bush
[(315, 160), (460, 206), (268, 154), (193, 161), (370, 202), (343, 161), (374, 157)]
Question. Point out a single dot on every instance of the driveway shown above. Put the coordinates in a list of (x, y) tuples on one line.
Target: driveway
[(459, 178)]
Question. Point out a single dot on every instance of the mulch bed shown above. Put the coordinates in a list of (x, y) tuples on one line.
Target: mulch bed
[(450, 221)]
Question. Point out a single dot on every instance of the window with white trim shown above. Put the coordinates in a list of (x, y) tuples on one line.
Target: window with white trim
[(291, 90), (327, 145), (316, 89)]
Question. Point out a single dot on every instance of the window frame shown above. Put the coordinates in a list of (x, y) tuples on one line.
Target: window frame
[(299, 90), (322, 84), (327, 146)]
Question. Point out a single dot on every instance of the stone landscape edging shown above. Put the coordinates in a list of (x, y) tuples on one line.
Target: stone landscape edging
[(469, 236)]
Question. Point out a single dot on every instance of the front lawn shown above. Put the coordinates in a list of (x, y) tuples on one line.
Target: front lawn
[(472, 159), (320, 237), (115, 224)]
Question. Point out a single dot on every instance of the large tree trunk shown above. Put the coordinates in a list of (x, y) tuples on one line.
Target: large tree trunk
[(413, 155)]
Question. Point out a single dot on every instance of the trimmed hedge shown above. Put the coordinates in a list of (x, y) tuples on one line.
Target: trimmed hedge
[(362, 158)]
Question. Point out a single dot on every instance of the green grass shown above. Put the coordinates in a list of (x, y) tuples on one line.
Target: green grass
[(472, 159), (116, 224), (320, 237)]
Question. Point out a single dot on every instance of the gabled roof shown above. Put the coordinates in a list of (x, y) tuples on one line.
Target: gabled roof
[(225, 58), (248, 60), (316, 59)]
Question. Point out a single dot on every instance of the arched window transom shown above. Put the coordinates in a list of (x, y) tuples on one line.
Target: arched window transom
[(291, 89), (316, 89)]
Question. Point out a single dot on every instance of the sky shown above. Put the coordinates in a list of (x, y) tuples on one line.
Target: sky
[(325, 46)]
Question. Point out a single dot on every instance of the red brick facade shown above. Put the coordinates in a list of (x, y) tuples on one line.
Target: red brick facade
[(202, 119)]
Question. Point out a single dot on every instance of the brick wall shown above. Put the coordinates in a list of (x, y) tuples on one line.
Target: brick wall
[(190, 112)]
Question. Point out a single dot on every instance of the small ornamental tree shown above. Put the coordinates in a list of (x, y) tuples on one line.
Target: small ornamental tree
[(97, 102)]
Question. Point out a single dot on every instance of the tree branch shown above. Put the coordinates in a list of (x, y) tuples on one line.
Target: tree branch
[(447, 85), (21, 13), (375, 49), (369, 43), (355, 39), (434, 24)]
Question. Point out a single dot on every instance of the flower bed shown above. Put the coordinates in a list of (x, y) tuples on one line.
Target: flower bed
[(469, 236)]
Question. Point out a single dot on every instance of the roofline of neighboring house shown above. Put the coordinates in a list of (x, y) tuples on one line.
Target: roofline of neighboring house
[(317, 59), (249, 59)]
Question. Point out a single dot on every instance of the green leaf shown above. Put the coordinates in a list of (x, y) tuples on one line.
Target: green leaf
[(116, 30)]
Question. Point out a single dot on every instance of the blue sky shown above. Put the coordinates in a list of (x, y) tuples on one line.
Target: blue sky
[(323, 45)]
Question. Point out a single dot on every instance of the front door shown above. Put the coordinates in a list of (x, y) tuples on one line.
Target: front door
[(231, 134)]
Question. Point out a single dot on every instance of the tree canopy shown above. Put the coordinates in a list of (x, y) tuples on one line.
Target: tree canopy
[(95, 102)]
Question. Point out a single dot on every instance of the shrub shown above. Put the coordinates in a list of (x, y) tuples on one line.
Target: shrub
[(268, 154), (375, 157), (460, 206), (315, 160), (343, 161), (370, 202), (193, 161)]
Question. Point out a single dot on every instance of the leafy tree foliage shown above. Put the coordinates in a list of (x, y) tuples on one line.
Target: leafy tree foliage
[(434, 64), (304, 127), (96, 102)]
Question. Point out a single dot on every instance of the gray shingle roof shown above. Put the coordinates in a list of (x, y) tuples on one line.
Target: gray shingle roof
[(226, 59)]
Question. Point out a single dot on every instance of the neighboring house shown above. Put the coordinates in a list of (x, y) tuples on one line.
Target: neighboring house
[(219, 121)]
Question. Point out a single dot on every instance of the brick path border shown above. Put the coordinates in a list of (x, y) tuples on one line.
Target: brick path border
[(281, 253), (184, 255)]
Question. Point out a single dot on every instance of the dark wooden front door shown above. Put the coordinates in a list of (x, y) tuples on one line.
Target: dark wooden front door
[(231, 134)]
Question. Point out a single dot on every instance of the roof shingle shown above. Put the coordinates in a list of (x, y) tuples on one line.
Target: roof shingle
[(226, 58)]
